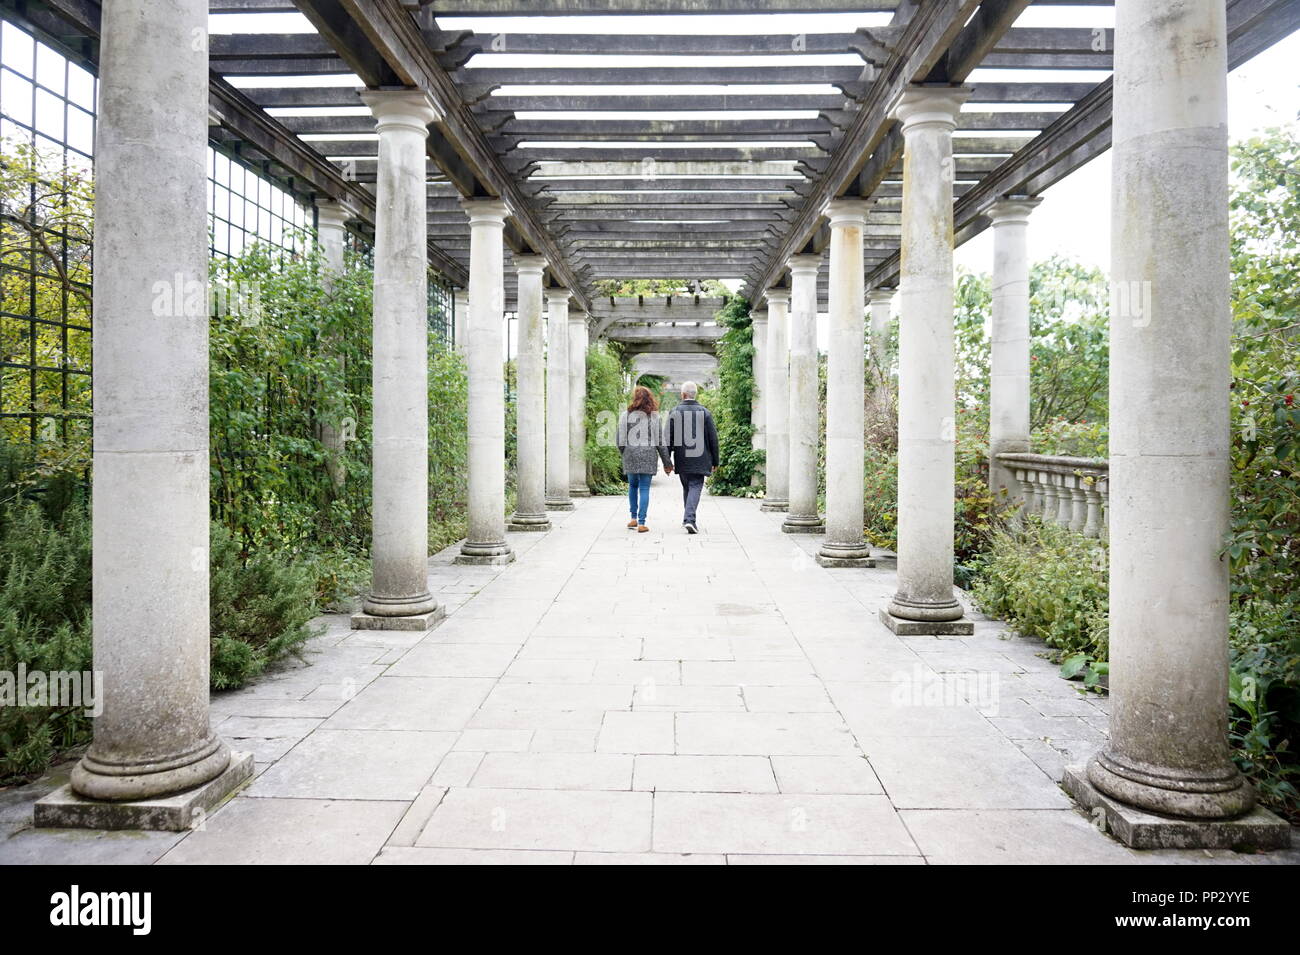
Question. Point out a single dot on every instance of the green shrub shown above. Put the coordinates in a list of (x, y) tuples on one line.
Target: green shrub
[(44, 625), (606, 397), (260, 608), (448, 447), (279, 373), (740, 460), (1047, 582)]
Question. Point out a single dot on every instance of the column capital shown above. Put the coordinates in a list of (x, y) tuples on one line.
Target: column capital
[(530, 264), (848, 211), (558, 296), (804, 262), (777, 296), (401, 109), (758, 316), (486, 211), (331, 213), (929, 105), (1013, 209), (879, 296)]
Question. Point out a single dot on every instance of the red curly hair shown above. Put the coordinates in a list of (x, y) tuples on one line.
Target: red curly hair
[(643, 399)]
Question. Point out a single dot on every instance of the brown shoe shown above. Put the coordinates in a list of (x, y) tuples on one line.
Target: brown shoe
[(631, 524), (641, 528)]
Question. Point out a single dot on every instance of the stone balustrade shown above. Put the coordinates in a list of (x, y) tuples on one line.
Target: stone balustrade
[(1073, 492)]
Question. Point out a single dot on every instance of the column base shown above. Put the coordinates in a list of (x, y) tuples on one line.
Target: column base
[(64, 809), (771, 505), (418, 622), (927, 628), (845, 555), (803, 524), (485, 555), (110, 780), (1207, 795), (559, 505), (579, 490), (1138, 829), (528, 522)]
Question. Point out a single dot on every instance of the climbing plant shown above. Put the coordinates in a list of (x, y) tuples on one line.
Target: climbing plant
[(740, 460)]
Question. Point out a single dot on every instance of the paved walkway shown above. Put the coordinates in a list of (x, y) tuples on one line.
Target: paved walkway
[(655, 698)]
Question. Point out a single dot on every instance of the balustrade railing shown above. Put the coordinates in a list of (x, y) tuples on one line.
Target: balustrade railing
[(1073, 492)]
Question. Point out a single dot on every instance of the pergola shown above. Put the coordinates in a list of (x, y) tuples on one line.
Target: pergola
[(863, 182)]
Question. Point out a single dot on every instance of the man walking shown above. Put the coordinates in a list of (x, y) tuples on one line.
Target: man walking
[(692, 440)]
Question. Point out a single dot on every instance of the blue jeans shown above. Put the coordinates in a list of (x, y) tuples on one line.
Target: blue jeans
[(638, 495)]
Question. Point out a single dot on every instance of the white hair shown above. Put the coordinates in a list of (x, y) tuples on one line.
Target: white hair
[(690, 389)]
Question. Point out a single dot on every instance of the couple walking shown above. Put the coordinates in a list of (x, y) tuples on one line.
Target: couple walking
[(686, 441)]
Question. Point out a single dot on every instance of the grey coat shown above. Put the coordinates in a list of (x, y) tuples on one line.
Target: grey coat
[(640, 439)]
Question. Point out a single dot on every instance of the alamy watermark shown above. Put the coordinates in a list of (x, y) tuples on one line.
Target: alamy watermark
[(63, 689)]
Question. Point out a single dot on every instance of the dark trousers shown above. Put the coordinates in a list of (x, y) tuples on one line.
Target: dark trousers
[(692, 485)]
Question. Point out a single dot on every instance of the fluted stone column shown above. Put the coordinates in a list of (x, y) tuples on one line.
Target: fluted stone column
[(776, 497), (758, 405), (1009, 358), (924, 602), (485, 327), (881, 299), (460, 318), (530, 431), (1169, 467), (557, 400), (399, 596), (331, 232), (578, 405), (845, 389), (150, 500), (804, 424)]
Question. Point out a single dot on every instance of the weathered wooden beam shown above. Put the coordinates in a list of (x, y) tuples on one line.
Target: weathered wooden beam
[(573, 8), (390, 31), (926, 31)]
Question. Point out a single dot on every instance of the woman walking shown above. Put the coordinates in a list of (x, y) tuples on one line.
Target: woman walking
[(640, 440)]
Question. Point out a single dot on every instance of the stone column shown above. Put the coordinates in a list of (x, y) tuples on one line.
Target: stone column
[(1009, 359), (399, 596), (460, 318), (530, 404), (578, 406), (804, 424), (776, 497), (1169, 469), (331, 219), (881, 299), (845, 389), (557, 400), (758, 405), (924, 602), (150, 500), (486, 541)]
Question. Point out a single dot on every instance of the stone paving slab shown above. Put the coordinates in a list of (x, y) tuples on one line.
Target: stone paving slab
[(655, 699)]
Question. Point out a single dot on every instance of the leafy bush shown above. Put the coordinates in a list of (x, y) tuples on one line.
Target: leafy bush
[(44, 626), (448, 447), (292, 360), (260, 608), (739, 458), (606, 397), (1047, 582), (1263, 545), (1075, 439)]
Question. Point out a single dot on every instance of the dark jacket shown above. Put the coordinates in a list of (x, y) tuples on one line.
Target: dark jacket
[(692, 438), (640, 441)]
